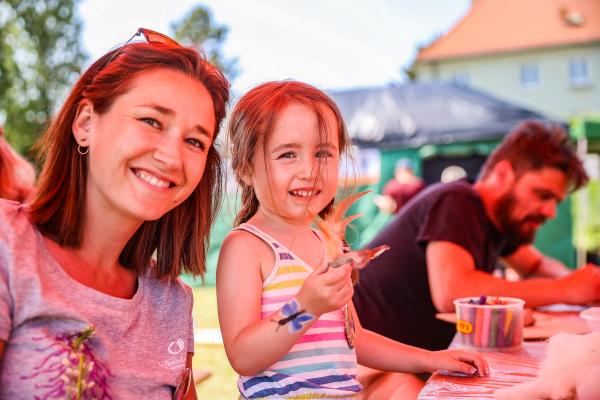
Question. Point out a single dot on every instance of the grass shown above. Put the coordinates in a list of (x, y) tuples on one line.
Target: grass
[(222, 383)]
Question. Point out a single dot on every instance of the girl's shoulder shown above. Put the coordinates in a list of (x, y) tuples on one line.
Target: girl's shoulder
[(246, 240), (244, 250)]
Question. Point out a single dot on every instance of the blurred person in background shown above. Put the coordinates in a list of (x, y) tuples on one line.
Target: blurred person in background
[(17, 175), (400, 189)]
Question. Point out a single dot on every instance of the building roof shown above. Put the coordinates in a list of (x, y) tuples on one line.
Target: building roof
[(498, 26)]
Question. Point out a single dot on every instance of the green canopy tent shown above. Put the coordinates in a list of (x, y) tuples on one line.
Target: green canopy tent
[(435, 125)]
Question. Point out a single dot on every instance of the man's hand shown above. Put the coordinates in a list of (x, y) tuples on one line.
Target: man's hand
[(582, 286)]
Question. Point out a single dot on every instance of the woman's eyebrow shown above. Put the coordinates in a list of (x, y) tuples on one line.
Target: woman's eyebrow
[(169, 112)]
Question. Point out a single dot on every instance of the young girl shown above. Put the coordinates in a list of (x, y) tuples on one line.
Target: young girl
[(90, 303), (282, 311)]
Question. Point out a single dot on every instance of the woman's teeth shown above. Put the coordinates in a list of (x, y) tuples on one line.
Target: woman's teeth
[(154, 181)]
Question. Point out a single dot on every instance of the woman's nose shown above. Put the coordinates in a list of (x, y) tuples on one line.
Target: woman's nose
[(168, 153)]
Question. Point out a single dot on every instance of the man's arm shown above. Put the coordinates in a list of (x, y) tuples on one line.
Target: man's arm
[(452, 274), (529, 261)]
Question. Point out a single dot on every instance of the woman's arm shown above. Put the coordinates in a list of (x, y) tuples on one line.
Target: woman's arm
[(252, 344)]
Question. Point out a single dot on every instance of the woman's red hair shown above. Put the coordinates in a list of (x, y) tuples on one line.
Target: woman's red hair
[(180, 238)]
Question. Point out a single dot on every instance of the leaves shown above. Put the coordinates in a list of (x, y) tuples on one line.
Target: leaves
[(40, 57), (198, 29)]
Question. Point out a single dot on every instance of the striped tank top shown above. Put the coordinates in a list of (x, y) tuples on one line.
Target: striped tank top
[(320, 365)]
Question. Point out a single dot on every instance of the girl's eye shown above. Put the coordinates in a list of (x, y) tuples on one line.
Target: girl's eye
[(324, 154), (196, 143), (289, 154)]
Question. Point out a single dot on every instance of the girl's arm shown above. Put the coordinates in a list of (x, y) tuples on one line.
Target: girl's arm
[(252, 344), (379, 352)]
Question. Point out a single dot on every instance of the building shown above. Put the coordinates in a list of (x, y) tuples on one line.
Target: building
[(541, 54)]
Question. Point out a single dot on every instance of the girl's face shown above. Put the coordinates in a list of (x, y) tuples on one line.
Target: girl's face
[(297, 169), (147, 153)]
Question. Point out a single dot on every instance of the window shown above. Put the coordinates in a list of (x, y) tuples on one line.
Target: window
[(461, 78), (530, 76), (579, 72)]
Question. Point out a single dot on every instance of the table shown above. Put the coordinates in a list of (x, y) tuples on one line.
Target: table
[(506, 369)]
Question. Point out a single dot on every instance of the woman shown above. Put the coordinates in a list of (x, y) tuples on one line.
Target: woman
[(90, 302)]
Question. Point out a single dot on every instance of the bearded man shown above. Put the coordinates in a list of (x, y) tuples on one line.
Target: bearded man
[(447, 241)]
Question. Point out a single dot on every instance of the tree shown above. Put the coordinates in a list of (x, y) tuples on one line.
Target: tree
[(40, 57), (197, 28)]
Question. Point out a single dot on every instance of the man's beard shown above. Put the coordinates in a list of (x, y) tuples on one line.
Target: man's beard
[(515, 231)]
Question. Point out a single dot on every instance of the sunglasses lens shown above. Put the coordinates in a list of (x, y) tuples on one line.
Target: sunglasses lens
[(157, 37)]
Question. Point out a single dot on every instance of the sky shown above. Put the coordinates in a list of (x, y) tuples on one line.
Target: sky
[(332, 44)]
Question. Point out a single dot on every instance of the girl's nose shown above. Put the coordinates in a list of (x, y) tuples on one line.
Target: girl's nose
[(307, 169)]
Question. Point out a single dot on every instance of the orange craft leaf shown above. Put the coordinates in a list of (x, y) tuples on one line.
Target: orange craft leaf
[(333, 226)]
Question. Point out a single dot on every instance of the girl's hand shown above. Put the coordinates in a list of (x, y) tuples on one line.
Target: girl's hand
[(326, 289), (464, 362)]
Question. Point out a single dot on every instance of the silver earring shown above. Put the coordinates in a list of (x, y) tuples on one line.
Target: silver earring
[(84, 151)]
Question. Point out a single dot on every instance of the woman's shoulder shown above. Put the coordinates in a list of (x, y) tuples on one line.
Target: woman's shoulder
[(174, 289)]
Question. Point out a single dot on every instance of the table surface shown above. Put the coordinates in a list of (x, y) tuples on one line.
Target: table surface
[(506, 369)]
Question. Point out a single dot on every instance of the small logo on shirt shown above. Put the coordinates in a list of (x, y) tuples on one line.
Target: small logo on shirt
[(176, 347)]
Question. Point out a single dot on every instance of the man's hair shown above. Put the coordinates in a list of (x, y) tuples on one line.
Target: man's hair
[(179, 239), (534, 145)]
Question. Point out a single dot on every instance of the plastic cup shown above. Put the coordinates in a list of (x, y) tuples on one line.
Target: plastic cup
[(490, 327)]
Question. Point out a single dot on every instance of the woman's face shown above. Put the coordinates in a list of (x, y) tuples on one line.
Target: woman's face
[(147, 153)]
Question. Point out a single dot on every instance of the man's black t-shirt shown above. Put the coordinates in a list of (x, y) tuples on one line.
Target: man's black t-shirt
[(392, 297)]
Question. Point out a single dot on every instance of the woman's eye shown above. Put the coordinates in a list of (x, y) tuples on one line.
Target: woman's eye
[(196, 143), (152, 122), (289, 154)]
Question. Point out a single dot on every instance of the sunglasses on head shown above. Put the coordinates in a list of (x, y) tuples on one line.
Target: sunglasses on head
[(150, 36)]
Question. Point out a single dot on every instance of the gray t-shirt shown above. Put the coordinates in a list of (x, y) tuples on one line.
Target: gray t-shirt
[(139, 347)]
